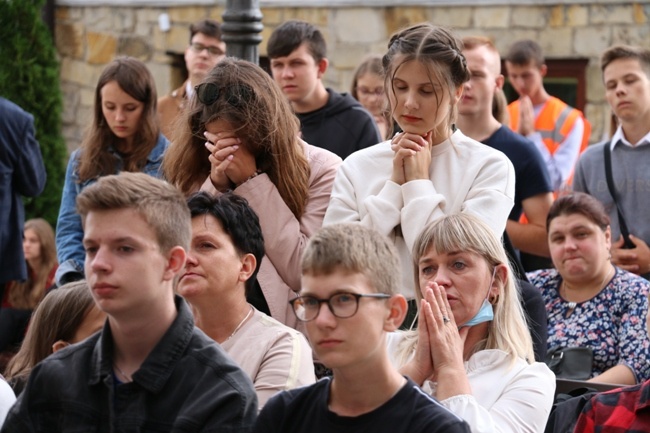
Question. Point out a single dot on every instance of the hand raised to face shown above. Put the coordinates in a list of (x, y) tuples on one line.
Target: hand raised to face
[(231, 162), (445, 340)]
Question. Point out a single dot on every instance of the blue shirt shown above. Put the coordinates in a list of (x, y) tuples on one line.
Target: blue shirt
[(69, 232)]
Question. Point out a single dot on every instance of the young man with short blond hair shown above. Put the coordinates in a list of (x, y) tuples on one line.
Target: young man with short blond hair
[(533, 192), (348, 303), (149, 369)]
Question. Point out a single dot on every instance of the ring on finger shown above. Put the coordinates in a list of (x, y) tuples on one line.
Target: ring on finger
[(445, 319)]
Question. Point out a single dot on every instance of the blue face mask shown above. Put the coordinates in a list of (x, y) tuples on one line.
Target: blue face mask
[(485, 313)]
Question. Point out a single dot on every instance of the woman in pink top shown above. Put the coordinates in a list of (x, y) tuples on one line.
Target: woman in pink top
[(253, 150)]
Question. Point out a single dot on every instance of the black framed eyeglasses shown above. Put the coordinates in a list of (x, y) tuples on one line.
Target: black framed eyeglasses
[(379, 91), (342, 305), (237, 95), (212, 50)]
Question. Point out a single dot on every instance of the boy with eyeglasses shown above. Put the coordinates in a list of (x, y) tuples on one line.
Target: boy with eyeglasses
[(206, 49), (348, 303)]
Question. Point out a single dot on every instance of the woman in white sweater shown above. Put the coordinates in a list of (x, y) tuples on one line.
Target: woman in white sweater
[(430, 169), (472, 349)]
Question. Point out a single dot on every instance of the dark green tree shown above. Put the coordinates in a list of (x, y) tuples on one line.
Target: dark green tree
[(29, 76)]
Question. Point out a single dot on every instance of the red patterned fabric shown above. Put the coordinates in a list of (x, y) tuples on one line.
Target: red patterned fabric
[(618, 411)]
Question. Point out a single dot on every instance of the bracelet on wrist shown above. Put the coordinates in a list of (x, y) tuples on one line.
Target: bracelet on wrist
[(257, 172)]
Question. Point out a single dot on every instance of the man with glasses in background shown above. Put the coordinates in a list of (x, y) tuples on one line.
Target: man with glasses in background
[(348, 304), (206, 49)]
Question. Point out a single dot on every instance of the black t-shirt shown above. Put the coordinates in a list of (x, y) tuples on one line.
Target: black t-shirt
[(531, 175), (305, 410)]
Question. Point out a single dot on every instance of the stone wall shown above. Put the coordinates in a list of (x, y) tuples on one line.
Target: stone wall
[(89, 37)]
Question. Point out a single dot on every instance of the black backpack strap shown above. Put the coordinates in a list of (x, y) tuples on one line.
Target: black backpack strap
[(612, 191)]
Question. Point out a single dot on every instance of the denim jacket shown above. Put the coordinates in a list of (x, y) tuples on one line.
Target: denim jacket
[(187, 384), (69, 233)]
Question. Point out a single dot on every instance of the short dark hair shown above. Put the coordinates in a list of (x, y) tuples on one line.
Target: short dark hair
[(207, 27), (525, 51), (579, 203), (626, 52), (291, 34), (238, 220)]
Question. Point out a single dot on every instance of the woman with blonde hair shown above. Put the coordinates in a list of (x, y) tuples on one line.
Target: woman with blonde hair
[(253, 149), (472, 349), (21, 297), (124, 136)]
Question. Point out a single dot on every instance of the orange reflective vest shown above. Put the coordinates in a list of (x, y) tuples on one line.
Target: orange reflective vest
[(554, 123)]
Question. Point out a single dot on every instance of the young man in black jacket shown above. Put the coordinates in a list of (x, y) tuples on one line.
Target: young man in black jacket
[(149, 369), (331, 120)]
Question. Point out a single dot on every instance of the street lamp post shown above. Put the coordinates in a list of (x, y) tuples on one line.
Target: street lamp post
[(242, 25)]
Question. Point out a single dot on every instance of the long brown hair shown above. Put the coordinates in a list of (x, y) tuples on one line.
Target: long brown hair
[(96, 158), (261, 115), (27, 294), (57, 317)]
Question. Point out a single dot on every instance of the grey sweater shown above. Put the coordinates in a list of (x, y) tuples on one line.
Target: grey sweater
[(631, 174)]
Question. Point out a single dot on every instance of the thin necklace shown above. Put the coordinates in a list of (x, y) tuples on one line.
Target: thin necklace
[(123, 374), (240, 324), (573, 305)]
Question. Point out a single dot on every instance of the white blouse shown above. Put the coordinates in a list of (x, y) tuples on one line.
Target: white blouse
[(506, 397)]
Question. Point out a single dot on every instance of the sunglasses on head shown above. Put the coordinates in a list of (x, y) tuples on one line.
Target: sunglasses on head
[(209, 93)]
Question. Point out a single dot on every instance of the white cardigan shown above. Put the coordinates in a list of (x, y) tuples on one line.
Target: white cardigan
[(465, 176), (506, 398)]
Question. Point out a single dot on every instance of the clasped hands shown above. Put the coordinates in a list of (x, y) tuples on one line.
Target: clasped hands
[(412, 157), (440, 343), (526, 116), (636, 260), (231, 164)]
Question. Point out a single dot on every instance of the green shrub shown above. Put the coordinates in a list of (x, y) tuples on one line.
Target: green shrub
[(29, 76)]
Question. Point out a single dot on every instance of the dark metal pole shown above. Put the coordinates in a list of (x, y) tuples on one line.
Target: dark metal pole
[(242, 25)]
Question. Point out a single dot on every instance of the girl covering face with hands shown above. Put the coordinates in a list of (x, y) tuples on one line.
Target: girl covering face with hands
[(430, 169), (239, 134)]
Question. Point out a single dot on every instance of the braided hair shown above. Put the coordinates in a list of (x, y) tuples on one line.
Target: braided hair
[(436, 47)]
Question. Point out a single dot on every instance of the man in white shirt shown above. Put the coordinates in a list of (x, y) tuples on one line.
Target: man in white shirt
[(626, 75)]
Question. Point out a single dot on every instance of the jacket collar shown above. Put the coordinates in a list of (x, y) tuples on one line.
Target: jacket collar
[(159, 365), (158, 151), (156, 154)]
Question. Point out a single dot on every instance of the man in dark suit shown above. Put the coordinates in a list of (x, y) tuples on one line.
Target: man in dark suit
[(21, 173)]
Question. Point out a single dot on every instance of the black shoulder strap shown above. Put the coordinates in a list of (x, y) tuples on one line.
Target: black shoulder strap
[(610, 185)]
